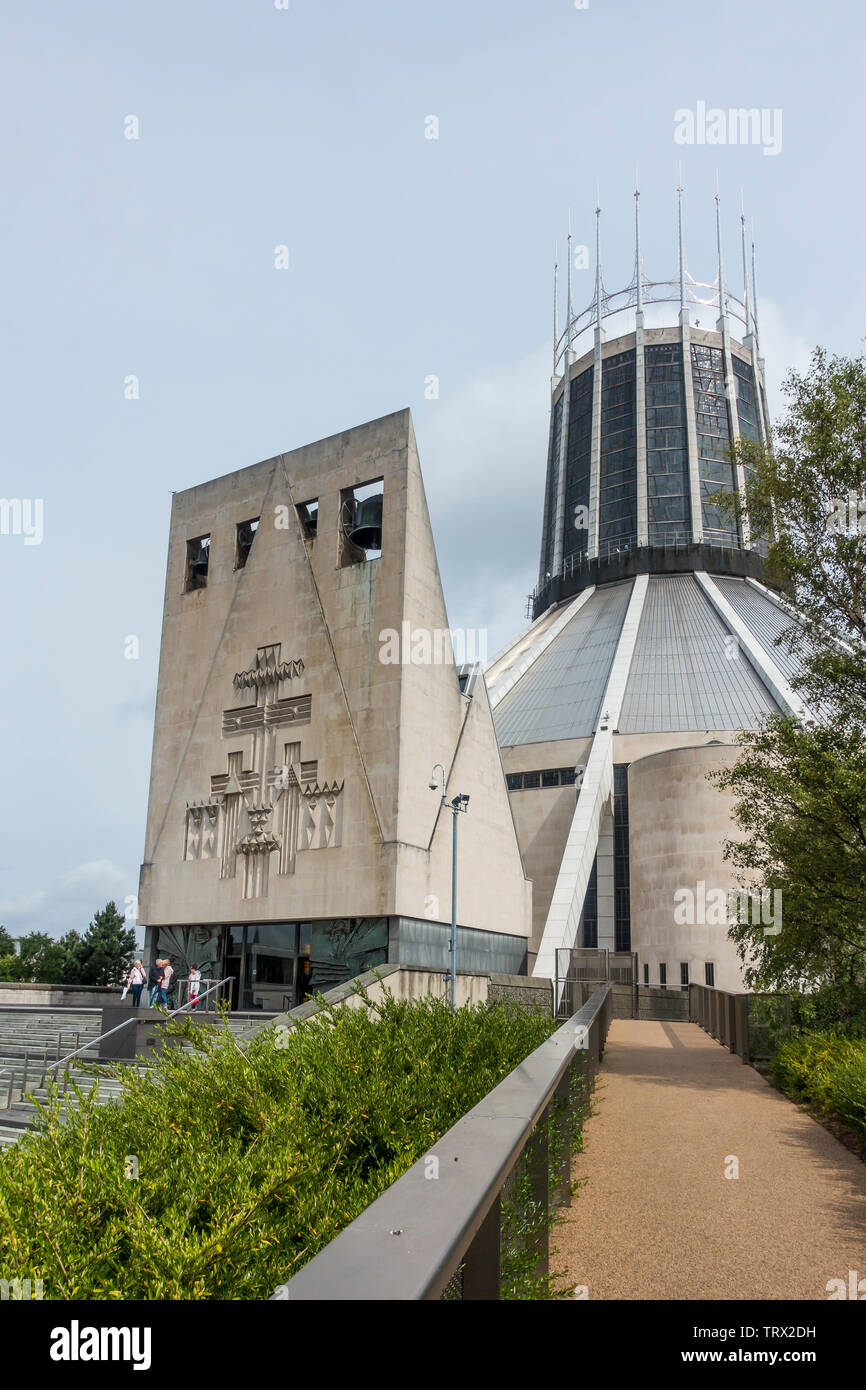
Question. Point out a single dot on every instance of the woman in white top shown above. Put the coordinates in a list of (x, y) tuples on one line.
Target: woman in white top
[(135, 982)]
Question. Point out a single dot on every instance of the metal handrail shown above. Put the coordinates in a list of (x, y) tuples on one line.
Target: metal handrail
[(182, 980), (411, 1241), (726, 1016), (127, 1021)]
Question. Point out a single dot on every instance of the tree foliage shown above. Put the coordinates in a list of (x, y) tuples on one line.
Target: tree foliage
[(800, 786), (101, 956), (247, 1162)]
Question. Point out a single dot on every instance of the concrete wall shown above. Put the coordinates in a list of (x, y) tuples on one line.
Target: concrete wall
[(543, 817), (374, 727), (405, 983), (56, 996), (678, 823)]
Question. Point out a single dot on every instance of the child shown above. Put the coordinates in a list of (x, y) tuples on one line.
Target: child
[(194, 986)]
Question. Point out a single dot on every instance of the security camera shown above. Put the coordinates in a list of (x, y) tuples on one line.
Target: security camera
[(432, 784)]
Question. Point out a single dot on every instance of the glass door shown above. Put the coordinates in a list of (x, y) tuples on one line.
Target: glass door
[(270, 966)]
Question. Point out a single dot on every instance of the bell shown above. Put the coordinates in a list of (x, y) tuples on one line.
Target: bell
[(245, 540), (200, 563), (365, 527)]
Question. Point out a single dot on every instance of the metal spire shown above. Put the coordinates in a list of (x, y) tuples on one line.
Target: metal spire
[(597, 260), (568, 324), (637, 255), (745, 271), (723, 290), (755, 295), (682, 248), (555, 301)]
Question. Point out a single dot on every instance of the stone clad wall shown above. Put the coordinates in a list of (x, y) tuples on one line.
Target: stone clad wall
[(529, 993)]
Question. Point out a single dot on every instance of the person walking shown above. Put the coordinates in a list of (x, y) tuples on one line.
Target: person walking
[(194, 986), (135, 982), (154, 981), (167, 972)]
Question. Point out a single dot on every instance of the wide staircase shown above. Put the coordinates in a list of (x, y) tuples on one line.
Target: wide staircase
[(33, 1041)]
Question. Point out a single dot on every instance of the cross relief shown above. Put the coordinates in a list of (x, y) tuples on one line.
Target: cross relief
[(270, 806)]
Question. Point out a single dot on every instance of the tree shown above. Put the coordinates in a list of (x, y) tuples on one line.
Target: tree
[(107, 949), (72, 947), (806, 492), (40, 959), (800, 803), (800, 787), (10, 966), (7, 943)]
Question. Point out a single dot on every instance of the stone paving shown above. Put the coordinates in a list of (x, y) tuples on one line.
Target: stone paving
[(658, 1219)]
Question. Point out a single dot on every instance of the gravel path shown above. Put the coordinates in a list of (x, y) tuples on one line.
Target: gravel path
[(657, 1217)]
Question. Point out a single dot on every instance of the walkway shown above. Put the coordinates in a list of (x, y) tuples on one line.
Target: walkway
[(658, 1219)]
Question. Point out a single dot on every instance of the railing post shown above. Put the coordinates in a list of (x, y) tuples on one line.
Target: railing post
[(539, 1180), (24, 1077), (481, 1265), (562, 1194)]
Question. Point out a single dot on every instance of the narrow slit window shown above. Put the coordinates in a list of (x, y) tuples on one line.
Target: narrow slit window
[(245, 535), (308, 515), (197, 561)]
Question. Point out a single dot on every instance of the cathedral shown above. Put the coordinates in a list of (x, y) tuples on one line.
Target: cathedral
[(293, 835)]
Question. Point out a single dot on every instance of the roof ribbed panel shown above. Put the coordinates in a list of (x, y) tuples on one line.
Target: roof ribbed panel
[(681, 676), (560, 695), (763, 618)]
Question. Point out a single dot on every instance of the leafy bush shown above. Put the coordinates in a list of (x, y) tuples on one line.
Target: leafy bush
[(248, 1161), (826, 1071)]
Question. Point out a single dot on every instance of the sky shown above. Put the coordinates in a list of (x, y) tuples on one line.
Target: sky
[(156, 156)]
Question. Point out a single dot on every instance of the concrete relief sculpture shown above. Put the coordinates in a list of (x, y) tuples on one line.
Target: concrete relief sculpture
[(266, 807)]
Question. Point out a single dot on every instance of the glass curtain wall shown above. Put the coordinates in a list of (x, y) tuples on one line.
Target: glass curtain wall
[(668, 504), (618, 480), (548, 539), (576, 538), (716, 471)]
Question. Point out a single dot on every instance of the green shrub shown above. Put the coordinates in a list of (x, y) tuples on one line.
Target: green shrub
[(248, 1161), (826, 1071)]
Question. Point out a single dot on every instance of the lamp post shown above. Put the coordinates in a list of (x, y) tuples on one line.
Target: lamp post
[(455, 806)]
